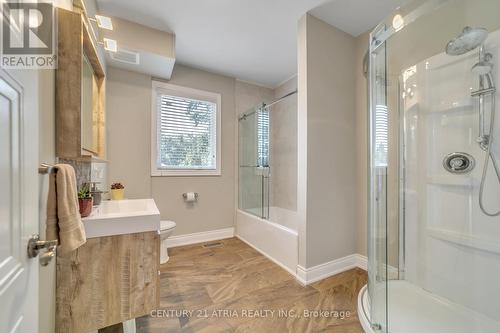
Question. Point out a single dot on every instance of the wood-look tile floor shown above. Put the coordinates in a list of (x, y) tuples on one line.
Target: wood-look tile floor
[(236, 289)]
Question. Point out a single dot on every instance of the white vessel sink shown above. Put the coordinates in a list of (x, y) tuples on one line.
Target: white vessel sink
[(119, 217)]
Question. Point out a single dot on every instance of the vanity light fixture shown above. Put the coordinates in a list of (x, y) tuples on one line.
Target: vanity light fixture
[(110, 44), (103, 22)]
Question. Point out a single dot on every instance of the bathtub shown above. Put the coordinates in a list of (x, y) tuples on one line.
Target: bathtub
[(275, 238)]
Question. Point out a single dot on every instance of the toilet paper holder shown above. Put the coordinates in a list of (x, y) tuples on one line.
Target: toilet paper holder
[(185, 195)]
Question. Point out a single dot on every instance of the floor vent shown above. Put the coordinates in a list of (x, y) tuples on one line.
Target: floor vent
[(213, 245)]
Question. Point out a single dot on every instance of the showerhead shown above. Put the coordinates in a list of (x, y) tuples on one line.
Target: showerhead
[(484, 66), (468, 40)]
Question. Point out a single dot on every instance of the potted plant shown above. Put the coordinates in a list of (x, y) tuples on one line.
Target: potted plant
[(117, 191), (85, 201)]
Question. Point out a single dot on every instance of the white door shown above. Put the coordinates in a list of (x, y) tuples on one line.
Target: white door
[(18, 200)]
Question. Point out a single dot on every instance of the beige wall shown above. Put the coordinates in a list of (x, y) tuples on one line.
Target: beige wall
[(283, 180), (134, 36), (302, 130), (361, 131), (129, 142), (128, 124), (249, 96), (326, 64)]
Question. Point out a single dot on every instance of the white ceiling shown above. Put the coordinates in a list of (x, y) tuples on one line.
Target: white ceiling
[(252, 40)]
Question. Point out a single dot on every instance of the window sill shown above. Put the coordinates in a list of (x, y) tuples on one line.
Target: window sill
[(185, 173)]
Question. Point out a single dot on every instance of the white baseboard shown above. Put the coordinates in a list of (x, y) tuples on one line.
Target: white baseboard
[(392, 272), (200, 237), (316, 273), (277, 262), (362, 261)]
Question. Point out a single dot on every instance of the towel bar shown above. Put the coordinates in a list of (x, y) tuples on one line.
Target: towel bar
[(45, 168)]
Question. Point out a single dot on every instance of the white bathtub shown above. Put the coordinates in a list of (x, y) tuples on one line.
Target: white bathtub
[(275, 238)]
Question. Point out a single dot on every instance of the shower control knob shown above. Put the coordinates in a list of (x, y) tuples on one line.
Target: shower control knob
[(458, 163)]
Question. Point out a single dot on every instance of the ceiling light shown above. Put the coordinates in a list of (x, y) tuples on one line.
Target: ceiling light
[(110, 45), (398, 22), (104, 22)]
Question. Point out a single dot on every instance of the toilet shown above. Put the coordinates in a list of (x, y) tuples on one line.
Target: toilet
[(166, 229)]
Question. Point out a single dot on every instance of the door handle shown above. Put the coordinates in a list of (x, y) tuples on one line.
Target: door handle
[(35, 245), (46, 257)]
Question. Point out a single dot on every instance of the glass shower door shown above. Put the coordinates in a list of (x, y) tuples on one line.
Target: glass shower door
[(253, 168), (378, 195)]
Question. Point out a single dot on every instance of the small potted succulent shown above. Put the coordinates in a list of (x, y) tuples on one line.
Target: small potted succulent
[(85, 201), (117, 191)]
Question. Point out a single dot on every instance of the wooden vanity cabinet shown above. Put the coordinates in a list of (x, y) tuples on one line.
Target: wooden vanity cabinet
[(106, 281)]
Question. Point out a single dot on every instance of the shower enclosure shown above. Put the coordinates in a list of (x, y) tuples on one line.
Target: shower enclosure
[(267, 200), (434, 224), (268, 160)]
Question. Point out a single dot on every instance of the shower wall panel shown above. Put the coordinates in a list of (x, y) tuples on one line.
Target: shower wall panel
[(452, 248)]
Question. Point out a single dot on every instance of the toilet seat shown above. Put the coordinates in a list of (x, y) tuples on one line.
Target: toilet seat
[(167, 225)]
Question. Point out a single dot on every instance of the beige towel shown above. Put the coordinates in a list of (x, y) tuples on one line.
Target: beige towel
[(63, 216)]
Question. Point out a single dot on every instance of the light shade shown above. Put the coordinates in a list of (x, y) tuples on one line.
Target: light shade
[(104, 22), (110, 45)]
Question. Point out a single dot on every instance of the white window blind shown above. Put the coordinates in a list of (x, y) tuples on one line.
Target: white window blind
[(381, 135), (186, 133), (262, 137)]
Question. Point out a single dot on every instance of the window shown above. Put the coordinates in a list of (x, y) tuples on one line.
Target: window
[(381, 135), (263, 137), (185, 131)]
